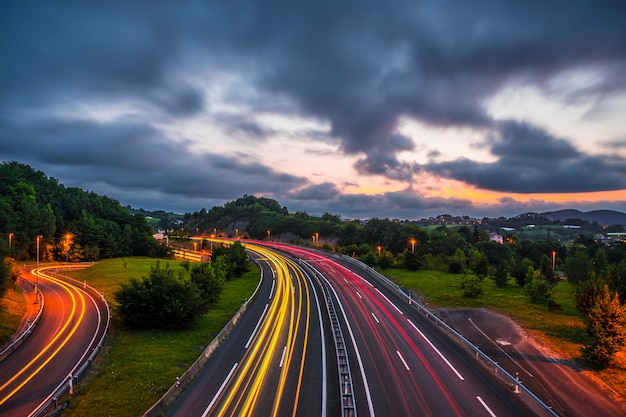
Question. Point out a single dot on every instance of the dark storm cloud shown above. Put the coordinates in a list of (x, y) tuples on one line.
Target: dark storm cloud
[(323, 191), (530, 160), (359, 66), (130, 155)]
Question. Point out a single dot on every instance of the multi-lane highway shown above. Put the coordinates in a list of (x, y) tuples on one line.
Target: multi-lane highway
[(323, 339), (72, 324), (273, 364)]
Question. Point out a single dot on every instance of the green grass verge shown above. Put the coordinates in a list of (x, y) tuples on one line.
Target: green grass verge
[(12, 309), (561, 331), (137, 367)]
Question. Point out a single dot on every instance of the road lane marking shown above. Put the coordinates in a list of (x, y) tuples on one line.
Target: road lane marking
[(282, 358), (403, 361), (256, 327), (389, 301), (436, 350), (272, 290), (491, 413), (359, 294), (219, 391), (375, 318), (500, 348)]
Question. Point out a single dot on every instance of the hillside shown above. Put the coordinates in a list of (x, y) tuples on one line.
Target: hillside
[(65, 223), (602, 217)]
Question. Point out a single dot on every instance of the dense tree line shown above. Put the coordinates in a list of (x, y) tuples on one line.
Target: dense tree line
[(535, 265), (72, 224)]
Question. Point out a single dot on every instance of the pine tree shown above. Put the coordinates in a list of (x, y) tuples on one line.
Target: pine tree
[(606, 327)]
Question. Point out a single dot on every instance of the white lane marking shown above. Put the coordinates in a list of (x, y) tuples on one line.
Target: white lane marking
[(403, 361), (324, 374), (256, 327), (491, 413), (272, 290), (346, 281), (359, 294), (436, 350), (282, 358), (375, 318), (388, 300), (368, 395), (219, 391), (500, 348)]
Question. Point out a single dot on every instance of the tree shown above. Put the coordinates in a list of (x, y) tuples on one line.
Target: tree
[(209, 279), (235, 258), (537, 287), (162, 300), (606, 328)]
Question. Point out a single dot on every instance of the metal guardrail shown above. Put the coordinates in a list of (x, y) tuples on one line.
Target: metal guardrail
[(421, 308), (348, 404)]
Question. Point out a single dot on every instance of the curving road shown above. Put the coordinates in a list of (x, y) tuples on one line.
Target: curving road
[(273, 364), (72, 324), (401, 364), (366, 353)]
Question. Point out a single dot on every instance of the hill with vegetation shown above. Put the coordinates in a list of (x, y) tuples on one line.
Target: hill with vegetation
[(72, 224)]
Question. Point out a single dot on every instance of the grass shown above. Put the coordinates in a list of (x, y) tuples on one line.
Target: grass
[(563, 332), (12, 309), (137, 367)]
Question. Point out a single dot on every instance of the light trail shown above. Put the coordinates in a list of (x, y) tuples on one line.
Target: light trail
[(62, 332)]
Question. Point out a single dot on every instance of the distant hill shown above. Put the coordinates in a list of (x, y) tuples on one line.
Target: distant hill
[(608, 217)]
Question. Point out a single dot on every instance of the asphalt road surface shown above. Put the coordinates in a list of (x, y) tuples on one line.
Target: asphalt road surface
[(365, 354), (71, 324)]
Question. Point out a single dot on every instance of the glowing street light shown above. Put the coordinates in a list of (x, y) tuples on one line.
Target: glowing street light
[(37, 276), (38, 239), (412, 245), (268, 234), (68, 235), (379, 249), (11, 240)]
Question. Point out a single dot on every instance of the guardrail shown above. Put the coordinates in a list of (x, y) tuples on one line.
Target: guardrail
[(428, 314), (27, 332), (67, 387), (348, 404)]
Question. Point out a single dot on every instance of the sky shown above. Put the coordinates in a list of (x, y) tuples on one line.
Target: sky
[(398, 109)]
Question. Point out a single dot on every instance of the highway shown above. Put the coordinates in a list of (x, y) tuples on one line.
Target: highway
[(274, 363), (402, 365), (72, 324), (381, 358)]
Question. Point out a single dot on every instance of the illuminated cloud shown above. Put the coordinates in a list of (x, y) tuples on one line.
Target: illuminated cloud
[(183, 106)]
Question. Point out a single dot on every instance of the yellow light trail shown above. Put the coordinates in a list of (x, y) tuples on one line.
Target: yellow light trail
[(245, 391), (68, 289)]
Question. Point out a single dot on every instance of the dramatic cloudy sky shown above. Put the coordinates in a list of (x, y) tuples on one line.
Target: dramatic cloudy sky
[(360, 108)]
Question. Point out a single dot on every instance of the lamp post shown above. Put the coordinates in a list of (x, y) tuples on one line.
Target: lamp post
[(268, 234), (412, 245), (38, 239), (37, 275), (10, 241), (553, 260), (67, 242)]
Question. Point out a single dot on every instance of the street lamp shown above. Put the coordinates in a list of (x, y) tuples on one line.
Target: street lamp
[(67, 242), (268, 234), (412, 245), (10, 241), (38, 239), (37, 275), (379, 249)]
